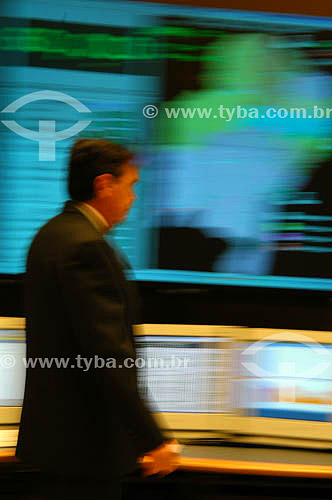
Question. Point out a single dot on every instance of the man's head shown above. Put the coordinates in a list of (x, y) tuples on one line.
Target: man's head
[(103, 174)]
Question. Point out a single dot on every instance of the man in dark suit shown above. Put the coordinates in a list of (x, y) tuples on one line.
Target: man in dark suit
[(83, 420)]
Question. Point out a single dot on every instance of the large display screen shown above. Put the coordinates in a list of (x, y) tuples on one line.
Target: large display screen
[(228, 113)]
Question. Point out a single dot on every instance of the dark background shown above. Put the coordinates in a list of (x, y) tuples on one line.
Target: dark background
[(206, 304)]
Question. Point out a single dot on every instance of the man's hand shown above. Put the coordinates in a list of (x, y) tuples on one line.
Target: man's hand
[(162, 460)]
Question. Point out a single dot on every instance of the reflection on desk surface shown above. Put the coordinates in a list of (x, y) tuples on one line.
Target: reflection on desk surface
[(8, 440), (257, 454)]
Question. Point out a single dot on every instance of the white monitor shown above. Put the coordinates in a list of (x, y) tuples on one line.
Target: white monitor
[(284, 386), (186, 375), (12, 371)]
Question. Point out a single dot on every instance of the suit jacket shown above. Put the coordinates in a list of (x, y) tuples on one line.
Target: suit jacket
[(78, 302)]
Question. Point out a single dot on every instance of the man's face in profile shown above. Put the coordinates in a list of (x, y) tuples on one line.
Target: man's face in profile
[(122, 194)]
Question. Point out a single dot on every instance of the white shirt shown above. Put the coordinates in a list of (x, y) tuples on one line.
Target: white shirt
[(95, 217)]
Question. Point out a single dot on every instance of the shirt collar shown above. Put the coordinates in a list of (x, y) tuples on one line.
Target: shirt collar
[(95, 217)]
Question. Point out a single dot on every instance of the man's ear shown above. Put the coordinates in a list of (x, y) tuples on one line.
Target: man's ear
[(103, 185)]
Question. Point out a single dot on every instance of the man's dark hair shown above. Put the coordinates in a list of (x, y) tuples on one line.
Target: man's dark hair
[(90, 158)]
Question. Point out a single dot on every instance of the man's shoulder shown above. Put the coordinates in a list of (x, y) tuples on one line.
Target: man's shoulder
[(71, 225), (64, 231)]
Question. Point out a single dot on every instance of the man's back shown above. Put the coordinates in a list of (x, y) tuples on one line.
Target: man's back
[(75, 414)]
